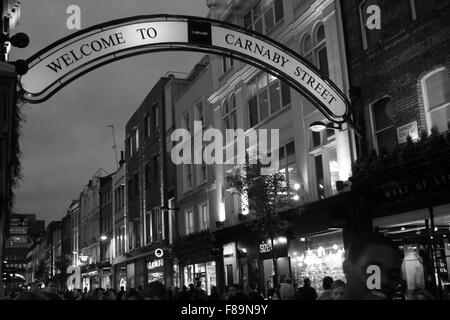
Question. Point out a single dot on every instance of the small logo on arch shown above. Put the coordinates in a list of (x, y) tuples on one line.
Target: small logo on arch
[(199, 32)]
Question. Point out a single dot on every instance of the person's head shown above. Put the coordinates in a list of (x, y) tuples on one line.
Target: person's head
[(306, 282), (233, 290), (191, 286), (85, 290), (327, 282), (288, 280), (337, 290), (365, 255), (51, 286), (155, 291), (122, 289)]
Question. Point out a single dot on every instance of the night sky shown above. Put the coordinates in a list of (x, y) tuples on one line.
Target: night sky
[(66, 139)]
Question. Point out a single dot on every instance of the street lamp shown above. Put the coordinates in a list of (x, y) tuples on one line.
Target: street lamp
[(84, 258), (103, 238), (319, 126)]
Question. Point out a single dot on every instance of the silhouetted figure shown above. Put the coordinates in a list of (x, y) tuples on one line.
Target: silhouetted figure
[(306, 292)]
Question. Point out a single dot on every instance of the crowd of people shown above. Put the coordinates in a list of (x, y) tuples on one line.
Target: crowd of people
[(365, 250)]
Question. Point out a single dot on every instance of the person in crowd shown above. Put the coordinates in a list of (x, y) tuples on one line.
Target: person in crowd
[(214, 294), (272, 294), (287, 291), (77, 295), (191, 291), (122, 294), (422, 294), (307, 292), (235, 293), (369, 250), (184, 295), (326, 285), (176, 293), (253, 292), (337, 290), (155, 291), (31, 295), (51, 290), (199, 293)]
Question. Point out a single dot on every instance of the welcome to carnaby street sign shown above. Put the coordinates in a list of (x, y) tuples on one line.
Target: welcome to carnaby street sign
[(64, 61)]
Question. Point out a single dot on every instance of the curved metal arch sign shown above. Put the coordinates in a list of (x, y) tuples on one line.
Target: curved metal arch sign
[(64, 61)]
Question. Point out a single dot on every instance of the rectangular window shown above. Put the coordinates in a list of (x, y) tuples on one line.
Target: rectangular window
[(319, 177), (370, 36), (266, 97), (136, 139), (204, 216), (385, 133), (147, 126), (323, 60), (264, 16), (436, 91), (189, 222), (227, 64), (155, 118)]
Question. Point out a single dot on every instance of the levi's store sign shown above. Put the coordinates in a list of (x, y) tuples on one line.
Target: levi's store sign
[(66, 60)]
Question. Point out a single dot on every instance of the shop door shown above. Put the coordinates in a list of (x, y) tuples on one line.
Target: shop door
[(230, 279)]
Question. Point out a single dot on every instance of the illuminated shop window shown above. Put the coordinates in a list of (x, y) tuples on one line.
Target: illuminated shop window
[(323, 163)]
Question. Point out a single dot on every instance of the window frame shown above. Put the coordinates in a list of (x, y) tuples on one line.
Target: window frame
[(374, 131), (262, 18), (426, 102), (204, 224), (187, 219)]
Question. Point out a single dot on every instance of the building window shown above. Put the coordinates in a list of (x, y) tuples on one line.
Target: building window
[(264, 16), (324, 163), (204, 216), (229, 113), (136, 139), (267, 95), (227, 64), (384, 132), (147, 126), (436, 92), (189, 221), (421, 8), (288, 167), (130, 189), (316, 51), (130, 145), (320, 50), (370, 37), (155, 118)]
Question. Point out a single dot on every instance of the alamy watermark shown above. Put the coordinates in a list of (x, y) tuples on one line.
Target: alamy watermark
[(210, 145)]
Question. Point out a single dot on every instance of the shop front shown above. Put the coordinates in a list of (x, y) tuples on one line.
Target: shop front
[(120, 275), (105, 278), (316, 257), (90, 280), (205, 272), (155, 270), (409, 203)]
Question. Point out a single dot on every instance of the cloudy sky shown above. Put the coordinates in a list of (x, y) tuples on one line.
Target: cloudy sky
[(66, 139)]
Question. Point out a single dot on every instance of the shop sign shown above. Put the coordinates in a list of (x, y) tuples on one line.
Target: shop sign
[(409, 129), (265, 247), (397, 189), (155, 264), (106, 271), (64, 61)]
